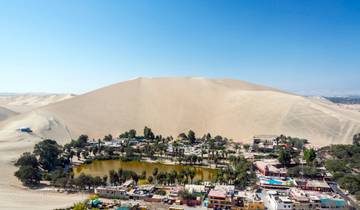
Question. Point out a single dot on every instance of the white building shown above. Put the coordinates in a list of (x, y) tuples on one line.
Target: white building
[(193, 188), (278, 200), (112, 192), (297, 199)]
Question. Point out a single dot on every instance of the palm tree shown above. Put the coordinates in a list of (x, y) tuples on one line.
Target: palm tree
[(150, 179), (113, 177), (236, 147), (200, 159), (202, 151), (192, 175), (173, 176), (155, 173), (182, 175), (180, 178), (180, 159), (105, 178), (71, 155)]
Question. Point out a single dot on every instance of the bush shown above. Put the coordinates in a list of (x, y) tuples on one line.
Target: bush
[(160, 192), (186, 195), (28, 175), (29, 172), (79, 206), (337, 166)]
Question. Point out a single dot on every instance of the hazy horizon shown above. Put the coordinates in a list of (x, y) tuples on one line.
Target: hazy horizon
[(300, 92)]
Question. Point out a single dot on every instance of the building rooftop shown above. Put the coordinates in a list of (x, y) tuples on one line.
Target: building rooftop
[(284, 199), (317, 183), (225, 188), (265, 137), (248, 195), (194, 188), (299, 195), (217, 193), (295, 195)]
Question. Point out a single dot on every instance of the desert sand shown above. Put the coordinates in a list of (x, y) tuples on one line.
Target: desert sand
[(29, 101), (355, 107), (235, 109), (12, 144), (6, 113)]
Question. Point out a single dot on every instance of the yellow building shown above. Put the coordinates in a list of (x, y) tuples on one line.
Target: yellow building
[(247, 201)]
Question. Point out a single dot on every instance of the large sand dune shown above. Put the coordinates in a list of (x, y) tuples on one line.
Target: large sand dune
[(231, 108)]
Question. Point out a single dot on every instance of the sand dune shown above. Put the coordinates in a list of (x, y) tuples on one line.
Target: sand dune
[(235, 109), (13, 143), (6, 113), (231, 108), (29, 101)]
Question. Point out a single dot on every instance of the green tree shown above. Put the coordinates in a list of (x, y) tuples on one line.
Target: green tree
[(337, 166), (284, 157), (129, 151), (132, 133), (350, 182), (191, 136), (109, 151), (218, 138), (83, 140), (114, 177), (28, 175), (48, 151), (182, 136), (135, 177), (208, 137), (192, 175), (150, 179), (155, 172), (27, 159), (356, 139), (246, 147), (143, 174), (186, 195), (104, 179), (108, 137), (148, 134), (309, 155)]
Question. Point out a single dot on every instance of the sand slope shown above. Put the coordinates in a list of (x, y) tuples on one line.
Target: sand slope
[(13, 143), (231, 108), (29, 101), (6, 113)]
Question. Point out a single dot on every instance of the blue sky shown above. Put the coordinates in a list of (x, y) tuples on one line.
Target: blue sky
[(77, 46)]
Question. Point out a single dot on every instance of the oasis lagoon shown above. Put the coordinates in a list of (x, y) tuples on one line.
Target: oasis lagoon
[(102, 168)]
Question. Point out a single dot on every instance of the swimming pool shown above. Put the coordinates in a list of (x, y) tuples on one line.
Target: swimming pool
[(275, 182)]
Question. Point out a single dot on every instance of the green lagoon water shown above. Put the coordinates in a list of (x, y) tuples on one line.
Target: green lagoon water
[(102, 167)]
